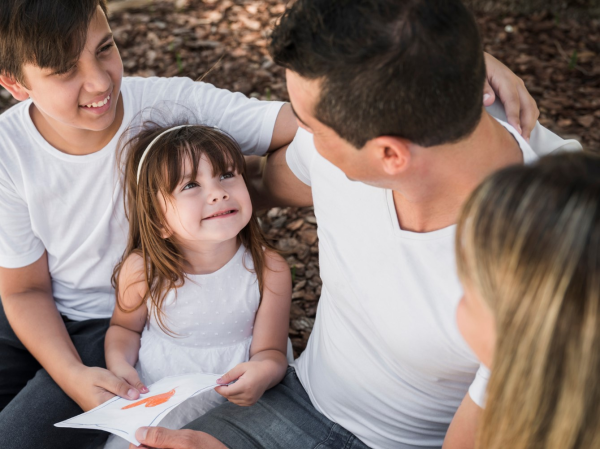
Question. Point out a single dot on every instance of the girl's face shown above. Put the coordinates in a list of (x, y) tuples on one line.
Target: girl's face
[(208, 208), (477, 325)]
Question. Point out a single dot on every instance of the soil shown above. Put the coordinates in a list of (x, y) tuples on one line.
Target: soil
[(224, 42)]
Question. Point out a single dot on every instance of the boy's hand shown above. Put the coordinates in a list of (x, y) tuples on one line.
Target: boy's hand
[(253, 379), (520, 107), (92, 386)]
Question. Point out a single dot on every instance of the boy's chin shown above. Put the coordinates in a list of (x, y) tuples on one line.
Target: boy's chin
[(99, 123)]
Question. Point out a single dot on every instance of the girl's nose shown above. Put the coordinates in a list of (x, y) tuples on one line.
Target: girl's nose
[(219, 196)]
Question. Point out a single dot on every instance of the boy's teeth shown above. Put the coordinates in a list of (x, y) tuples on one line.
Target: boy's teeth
[(97, 105)]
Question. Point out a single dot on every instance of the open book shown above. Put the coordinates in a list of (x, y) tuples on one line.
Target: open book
[(123, 417)]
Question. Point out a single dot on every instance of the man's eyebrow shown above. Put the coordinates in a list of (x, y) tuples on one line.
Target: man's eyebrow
[(298, 117), (105, 39)]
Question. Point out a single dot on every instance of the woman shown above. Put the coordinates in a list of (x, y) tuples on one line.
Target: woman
[(528, 253)]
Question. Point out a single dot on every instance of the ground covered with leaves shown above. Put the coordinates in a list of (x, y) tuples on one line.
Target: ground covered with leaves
[(224, 42)]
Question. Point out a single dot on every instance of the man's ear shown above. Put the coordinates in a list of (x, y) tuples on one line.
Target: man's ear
[(392, 152), (15, 88)]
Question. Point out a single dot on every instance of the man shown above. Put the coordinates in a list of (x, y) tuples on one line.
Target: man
[(388, 93)]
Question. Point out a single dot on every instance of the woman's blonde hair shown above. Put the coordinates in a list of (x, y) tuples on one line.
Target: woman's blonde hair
[(528, 241), (162, 171)]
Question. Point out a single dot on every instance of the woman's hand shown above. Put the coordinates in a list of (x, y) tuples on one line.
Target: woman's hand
[(93, 386), (521, 110), (252, 380)]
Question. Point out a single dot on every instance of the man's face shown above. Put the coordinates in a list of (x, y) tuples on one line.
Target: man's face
[(304, 96), (95, 78)]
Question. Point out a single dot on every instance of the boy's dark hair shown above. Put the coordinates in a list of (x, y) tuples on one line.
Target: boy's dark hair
[(48, 33), (407, 68)]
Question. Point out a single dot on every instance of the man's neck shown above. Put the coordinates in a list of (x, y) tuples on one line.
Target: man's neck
[(432, 199), (70, 140)]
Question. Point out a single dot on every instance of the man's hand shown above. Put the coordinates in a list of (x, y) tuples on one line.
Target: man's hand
[(159, 437), (521, 110), (94, 386)]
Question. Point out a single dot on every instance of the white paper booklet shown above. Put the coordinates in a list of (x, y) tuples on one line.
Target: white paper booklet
[(123, 417)]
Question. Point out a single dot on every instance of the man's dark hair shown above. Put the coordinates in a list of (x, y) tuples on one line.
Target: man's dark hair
[(47, 33), (407, 68)]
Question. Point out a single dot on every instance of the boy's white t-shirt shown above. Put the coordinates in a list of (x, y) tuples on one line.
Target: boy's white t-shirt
[(385, 359), (71, 206)]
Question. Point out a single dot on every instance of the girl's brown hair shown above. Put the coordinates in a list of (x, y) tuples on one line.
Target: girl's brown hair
[(161, 172), (528, 241)]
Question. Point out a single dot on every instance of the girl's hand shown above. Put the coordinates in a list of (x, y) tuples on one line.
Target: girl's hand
[(93, 386), (253, 379), (128, 373)]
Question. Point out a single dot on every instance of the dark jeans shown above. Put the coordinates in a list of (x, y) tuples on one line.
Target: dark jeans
[(31, 402), (283, 418)]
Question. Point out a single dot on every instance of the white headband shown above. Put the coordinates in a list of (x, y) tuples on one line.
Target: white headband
[(150, 146)]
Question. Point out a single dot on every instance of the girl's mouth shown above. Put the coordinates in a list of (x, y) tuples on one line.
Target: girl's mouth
[(222, 214)]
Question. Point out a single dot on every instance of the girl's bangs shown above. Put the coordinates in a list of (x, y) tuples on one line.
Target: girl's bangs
[(193, 143)]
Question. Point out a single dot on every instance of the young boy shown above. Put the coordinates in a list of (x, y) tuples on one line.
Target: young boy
[(62, 225)]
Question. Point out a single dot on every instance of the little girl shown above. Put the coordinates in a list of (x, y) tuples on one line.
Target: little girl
[(528, 253), (198, 289)]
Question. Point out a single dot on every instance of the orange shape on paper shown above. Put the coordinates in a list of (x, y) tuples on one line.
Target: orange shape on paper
[(152, 401)]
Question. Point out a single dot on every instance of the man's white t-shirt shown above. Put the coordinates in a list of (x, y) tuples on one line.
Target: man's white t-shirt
[(71, 206), (385, 359)]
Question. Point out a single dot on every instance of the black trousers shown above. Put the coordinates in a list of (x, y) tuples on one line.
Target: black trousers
[(31, 402)]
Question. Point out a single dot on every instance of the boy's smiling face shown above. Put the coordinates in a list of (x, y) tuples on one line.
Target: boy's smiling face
[(62, 100)]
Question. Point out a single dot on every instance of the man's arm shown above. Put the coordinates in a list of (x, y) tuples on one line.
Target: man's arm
[(31, 311), (463, 428), (272, 183)]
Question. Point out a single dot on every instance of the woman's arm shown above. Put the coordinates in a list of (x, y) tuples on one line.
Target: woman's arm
[(268, 362), (463, 428), (122, 343)]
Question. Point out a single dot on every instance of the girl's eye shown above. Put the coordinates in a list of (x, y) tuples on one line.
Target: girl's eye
[(227, 175), (190, 185)]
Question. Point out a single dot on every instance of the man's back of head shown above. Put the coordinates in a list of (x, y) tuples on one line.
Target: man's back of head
[(407, 68)]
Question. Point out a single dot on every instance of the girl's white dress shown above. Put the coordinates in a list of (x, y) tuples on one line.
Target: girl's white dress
[(212, 316)]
